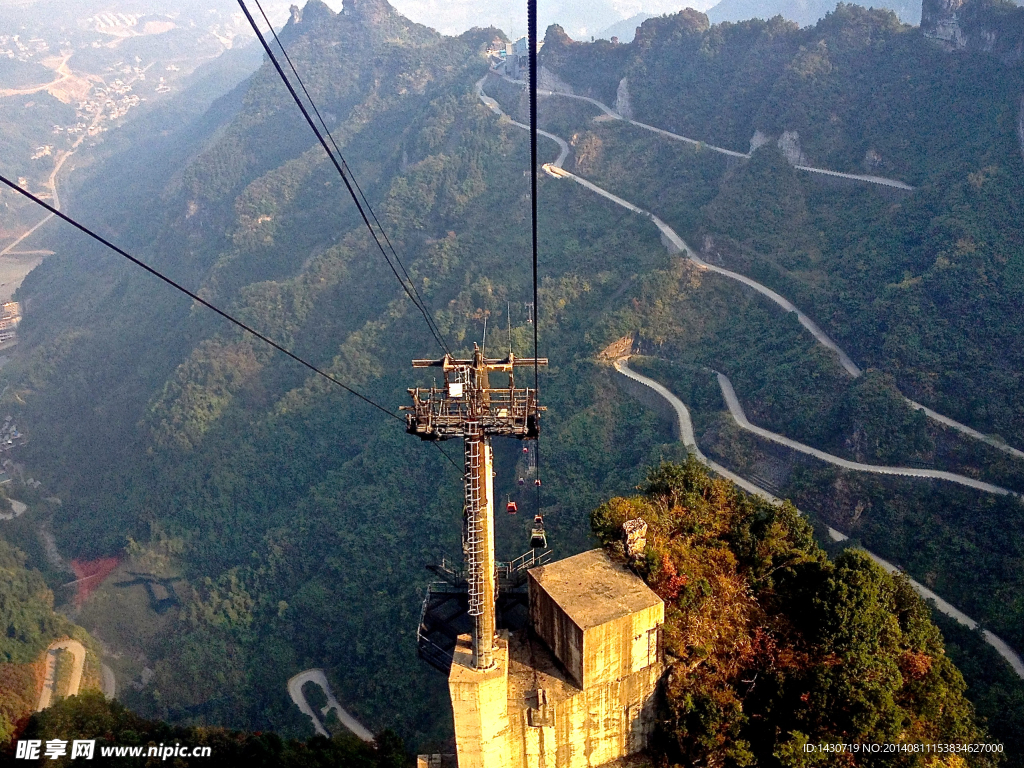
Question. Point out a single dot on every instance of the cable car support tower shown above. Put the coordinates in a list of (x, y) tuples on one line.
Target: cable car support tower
[(468, 407)]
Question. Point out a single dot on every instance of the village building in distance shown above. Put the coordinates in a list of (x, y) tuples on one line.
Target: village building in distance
[(10, 317)]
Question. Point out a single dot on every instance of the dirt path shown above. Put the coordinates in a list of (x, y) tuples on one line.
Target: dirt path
[(63, 73), (685, 428), (318, 677), (77, 651)]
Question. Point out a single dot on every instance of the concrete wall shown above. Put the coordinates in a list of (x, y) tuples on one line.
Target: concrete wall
[(580, 696), (557, 630), (479, 704), (621, 647), (589, 729), (599, 654)]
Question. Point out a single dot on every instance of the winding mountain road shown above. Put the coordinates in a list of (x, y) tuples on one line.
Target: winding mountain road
[(687, 437), (736, 411), (77, 651), (678, 245), (496, 109), (317, 677), (684, 424), (866, 178)]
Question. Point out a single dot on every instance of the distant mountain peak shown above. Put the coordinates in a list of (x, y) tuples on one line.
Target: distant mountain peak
[(372, 11)]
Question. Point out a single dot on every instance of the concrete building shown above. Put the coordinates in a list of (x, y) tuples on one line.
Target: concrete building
[(517, 58), (578, 689), (10, 318)]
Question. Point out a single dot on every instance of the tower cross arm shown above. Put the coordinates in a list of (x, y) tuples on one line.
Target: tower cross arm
[(492, 364)]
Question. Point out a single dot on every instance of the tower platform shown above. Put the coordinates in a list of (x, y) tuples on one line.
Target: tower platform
[(575, 690)]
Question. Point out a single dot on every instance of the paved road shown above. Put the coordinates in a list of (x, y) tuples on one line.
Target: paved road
[(77, 651), (869, 179), (1002, 446), (685, 426), (52, 182), (318, 677), (496, 109), (678, 245), (736, 410)]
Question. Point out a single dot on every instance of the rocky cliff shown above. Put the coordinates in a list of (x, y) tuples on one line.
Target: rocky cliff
[(995, 27), (990, 26)]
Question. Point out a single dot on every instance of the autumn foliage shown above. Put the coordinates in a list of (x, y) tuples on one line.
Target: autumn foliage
[(770, 645)]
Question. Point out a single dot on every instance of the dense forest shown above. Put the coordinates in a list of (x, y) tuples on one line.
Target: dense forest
[(918, 287), (294, 521), (772, 646), (90, 716), (29, 624), (290, 523), (924, 287)]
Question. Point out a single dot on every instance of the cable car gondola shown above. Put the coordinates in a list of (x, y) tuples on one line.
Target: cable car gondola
[(538, 538)]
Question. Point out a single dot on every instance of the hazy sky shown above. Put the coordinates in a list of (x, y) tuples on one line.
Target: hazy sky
[(581, 18)]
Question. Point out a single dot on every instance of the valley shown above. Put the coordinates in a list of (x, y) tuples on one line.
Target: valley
[(841, 338), (685, 428)]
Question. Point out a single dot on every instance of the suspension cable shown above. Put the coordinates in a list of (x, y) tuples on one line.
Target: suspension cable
[(345, 166), (195, 297), (531, 13), (344, 176), (177, 286)]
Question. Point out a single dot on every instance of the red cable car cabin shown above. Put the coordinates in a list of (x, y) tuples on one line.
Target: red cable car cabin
[(512, 508)]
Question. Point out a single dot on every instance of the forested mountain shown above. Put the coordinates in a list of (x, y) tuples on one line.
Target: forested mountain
[(803, 12), (920, 287), (300, 518), (773, 647), (29, 626), (296, 520)]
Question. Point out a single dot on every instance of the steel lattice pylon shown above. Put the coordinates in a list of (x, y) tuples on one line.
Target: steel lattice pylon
[(467, 407)]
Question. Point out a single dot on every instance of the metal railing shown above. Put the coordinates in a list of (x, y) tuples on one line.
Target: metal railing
[(498, 412)]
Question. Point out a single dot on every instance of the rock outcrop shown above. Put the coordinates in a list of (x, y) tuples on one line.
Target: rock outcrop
[(549, 81), (987, 26), (788, 142), (372, 11), (939, 21), (1020, 126), (623, 104)]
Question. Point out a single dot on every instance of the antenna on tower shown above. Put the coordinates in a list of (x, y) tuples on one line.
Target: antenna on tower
[(483, 344), (508, 309)]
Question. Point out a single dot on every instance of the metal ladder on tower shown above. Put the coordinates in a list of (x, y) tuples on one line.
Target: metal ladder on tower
[(475, 520)]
